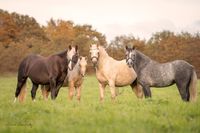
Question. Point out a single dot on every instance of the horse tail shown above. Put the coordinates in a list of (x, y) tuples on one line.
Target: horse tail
[(193, 87), (22, 94), (21, 82)]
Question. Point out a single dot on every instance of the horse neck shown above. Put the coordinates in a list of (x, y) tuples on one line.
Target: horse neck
[(141, 61), (103, 55)]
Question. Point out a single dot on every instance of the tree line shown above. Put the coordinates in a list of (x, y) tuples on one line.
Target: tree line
[(21, 35)]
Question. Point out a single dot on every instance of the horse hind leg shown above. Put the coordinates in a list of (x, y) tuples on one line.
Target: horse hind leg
[(183, 87), (33, 91)]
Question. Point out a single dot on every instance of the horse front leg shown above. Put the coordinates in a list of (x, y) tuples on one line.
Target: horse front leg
[(112, 90), (58, 88), (101, 90), (71, 90), (146, 90), (79, 93), (53, 88)]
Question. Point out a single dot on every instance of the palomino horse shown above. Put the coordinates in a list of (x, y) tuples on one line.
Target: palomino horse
[(153, 74), (74, 79), (50, 71), (112, 72)]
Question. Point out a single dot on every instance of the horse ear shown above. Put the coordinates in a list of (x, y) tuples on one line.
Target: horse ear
[(70, 47), (80, 57), (133, 47), (76, 48), (86, 58)]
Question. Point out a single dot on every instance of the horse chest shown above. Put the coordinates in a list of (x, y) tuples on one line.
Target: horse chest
[(77, 81), (100, 76)]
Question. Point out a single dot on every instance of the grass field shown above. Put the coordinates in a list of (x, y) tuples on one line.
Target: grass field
[(165, 112)]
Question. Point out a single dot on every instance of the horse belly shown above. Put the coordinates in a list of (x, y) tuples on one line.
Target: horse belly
[(125, 78), (39, 75), (39, 79), (163, 79)]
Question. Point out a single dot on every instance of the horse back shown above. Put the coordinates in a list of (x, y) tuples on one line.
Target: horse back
[(182, 67), (40, 69)]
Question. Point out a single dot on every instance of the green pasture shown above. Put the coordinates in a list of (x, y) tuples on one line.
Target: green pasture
[(164, 112)]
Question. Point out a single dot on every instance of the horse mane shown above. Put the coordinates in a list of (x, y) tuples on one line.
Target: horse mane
[(142, 59), (102, 49), (62, 53)]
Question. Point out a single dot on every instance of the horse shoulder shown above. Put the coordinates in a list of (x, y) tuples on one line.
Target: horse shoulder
[(100, 76)]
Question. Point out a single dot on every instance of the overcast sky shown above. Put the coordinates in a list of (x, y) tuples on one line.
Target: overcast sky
[(140, 18)]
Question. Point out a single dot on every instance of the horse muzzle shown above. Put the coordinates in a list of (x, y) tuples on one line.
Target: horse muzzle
[(129, 62), (94, 60)]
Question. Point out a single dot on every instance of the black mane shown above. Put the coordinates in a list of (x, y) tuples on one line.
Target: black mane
[(62, 53), (141, 60)]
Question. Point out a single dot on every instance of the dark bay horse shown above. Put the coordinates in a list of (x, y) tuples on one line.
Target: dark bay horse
[(50, 70), (153, 74), (73, 80)]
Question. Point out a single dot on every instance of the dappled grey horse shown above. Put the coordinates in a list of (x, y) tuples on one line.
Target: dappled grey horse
[(153, 74)]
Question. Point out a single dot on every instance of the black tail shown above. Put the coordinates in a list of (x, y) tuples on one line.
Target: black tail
[(21, 79)]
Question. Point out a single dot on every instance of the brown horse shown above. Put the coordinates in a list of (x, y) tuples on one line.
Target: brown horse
[(50, 70), (112, 72), (74, 80)]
